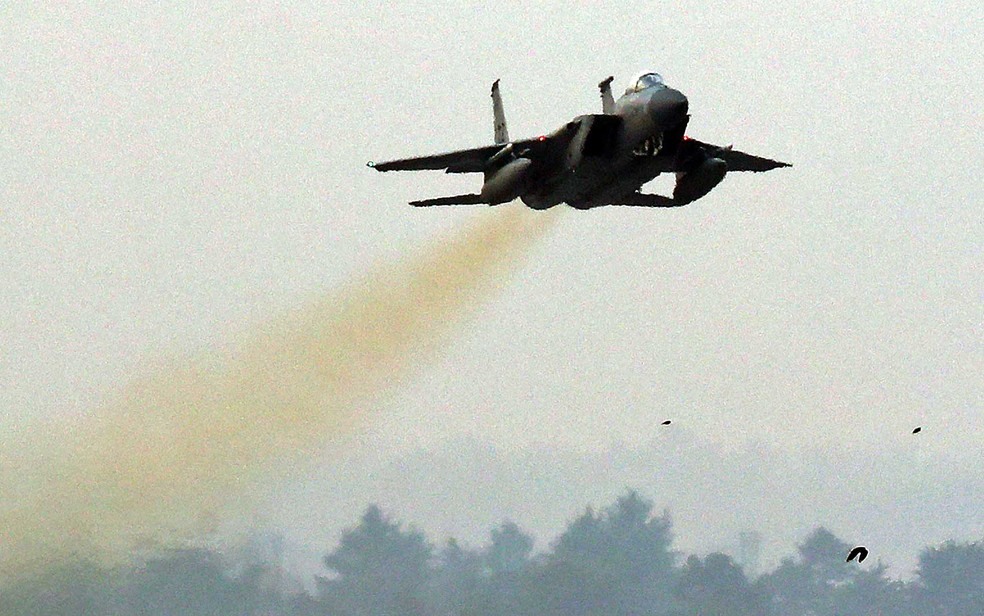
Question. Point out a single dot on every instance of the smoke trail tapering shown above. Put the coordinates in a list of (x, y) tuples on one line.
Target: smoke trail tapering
[(178, 446)]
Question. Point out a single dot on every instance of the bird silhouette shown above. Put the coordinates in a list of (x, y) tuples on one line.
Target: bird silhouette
[(917, 430), (859, 552), (666, 423)]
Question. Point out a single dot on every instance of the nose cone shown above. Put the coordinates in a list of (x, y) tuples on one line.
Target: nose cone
[(667, 108)]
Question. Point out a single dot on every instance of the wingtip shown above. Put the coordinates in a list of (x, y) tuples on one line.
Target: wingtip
[(495, 85)]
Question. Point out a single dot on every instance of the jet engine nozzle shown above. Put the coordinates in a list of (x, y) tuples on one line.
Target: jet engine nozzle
[(506, 183), (699, 181), (667, 108)]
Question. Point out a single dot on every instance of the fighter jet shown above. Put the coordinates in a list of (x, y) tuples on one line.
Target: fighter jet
[(596, 159)]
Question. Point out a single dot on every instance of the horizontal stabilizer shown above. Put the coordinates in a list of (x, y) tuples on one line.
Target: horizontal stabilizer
[(644, 200), (453, 200)]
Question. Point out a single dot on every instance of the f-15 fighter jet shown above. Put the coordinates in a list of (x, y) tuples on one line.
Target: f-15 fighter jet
[(594, 160)]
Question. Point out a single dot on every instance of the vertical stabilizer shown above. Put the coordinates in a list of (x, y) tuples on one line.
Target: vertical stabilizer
[(501, 132), (607, 100)]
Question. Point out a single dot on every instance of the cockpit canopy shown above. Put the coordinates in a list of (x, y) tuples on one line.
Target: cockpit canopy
[(645, 81)]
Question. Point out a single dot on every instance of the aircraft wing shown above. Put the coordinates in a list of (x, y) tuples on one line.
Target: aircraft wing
[(460, 161), (737, 161)]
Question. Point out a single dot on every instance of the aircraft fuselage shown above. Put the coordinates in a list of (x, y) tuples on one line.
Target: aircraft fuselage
[(608, 156)]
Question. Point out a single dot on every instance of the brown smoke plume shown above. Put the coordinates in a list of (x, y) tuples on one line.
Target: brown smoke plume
[(176, 448)]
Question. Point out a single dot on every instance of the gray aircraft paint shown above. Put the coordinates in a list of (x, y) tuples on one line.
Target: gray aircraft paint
[(594, 160)]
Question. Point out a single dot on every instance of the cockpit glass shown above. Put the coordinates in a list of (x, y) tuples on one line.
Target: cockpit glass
[(649, 80)]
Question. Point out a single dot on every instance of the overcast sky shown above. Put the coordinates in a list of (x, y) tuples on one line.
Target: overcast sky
[(170, 176)]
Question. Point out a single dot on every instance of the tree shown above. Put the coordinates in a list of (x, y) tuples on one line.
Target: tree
[(716, 586), (616, 562), (509, 550), (185, 582), (507, 562), (625, 539), (71, 588), (460, 585), (378, 569), (871, 593), (950, 580), (805, 585), (821, 582)]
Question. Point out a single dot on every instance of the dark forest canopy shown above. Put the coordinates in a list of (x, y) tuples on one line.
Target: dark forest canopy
[(617, 560)]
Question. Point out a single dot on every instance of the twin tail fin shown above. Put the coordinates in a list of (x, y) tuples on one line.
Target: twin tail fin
[(499, 116)]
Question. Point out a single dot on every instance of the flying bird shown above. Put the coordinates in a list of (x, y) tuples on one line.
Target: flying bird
[(859, 552), (917, 430), (666, 423)]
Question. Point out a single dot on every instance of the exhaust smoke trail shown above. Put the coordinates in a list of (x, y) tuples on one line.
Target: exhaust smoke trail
[(176, 448)]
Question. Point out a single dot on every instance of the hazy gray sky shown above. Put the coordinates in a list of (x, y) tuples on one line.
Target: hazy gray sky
[(170, 175)]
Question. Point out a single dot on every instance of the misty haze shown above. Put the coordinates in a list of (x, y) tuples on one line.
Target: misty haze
[(240, 375)]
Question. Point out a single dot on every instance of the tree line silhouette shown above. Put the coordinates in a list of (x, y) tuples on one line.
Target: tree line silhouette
[(615, 561)]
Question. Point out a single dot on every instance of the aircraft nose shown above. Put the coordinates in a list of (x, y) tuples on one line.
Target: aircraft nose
[(667, 108)]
